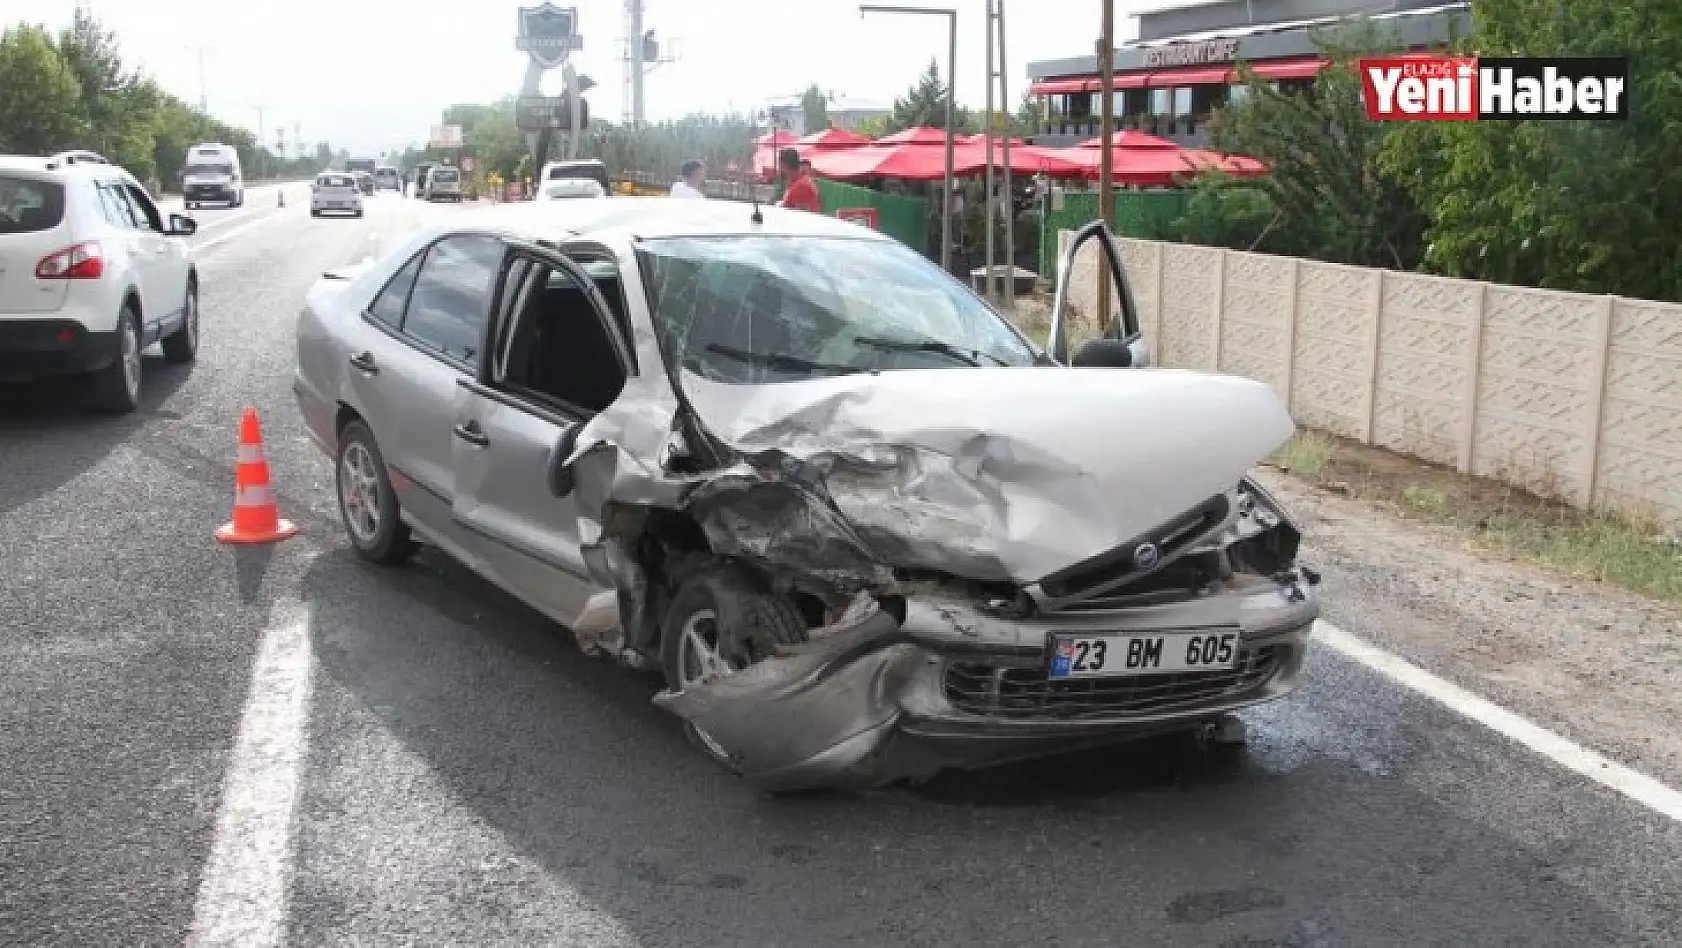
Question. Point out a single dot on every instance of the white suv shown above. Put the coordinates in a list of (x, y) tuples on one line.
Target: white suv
[(91, 272), (335, 191)]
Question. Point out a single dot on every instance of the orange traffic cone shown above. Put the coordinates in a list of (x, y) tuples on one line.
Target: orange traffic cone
[(256, 519)]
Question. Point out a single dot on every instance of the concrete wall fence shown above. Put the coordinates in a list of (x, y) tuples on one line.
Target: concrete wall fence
[(1568, 395)]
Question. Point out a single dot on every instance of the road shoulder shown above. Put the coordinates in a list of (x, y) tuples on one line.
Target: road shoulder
[(1596, 664)]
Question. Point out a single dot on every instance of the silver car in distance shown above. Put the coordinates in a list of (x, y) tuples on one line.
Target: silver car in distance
[(866, 530)]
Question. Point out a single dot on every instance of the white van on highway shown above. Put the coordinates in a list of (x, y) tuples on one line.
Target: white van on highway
[(443, 183), (212, 174)]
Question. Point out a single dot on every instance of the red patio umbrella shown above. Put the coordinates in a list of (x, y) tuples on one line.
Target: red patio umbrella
[(778, 138), (832, 138), (922, 163), (1131, 138), (1155, 166), (921, 135), (980, 138)]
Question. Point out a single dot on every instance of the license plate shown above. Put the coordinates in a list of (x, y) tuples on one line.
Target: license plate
[(1117, 655)]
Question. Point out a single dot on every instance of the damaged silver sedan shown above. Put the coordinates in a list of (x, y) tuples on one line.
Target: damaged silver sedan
[(866, 530)]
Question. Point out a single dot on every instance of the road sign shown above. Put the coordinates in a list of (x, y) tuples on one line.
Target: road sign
[(548, 33), (860, 215), (535, 112), (445, 136)]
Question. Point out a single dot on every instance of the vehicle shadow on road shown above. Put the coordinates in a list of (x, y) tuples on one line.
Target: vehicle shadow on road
[(563, 758), (48, 435)]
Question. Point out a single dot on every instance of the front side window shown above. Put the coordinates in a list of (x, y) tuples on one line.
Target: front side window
[(452, 295), (150, 219), (778, 309), (122, 209)]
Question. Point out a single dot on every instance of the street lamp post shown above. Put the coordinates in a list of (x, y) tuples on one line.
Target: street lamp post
[(951, 113)]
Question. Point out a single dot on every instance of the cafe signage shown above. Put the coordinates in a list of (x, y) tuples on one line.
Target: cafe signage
[(1192, 54)]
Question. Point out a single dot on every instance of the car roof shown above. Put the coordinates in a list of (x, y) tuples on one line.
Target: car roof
[(650, 218), (52, 167)]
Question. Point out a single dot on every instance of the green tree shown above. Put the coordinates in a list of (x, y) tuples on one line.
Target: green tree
[(117, 105), (1577, 205), (924, 105), (1331, 200), (40, 98), (814, 107)]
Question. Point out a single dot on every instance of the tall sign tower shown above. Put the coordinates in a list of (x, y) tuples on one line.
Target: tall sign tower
[(548, 35)]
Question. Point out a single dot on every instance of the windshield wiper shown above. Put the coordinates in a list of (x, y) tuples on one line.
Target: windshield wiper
[(966, 356), (780, 362)]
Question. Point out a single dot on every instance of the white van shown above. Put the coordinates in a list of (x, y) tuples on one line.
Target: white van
[(212, 174), (443, 183)]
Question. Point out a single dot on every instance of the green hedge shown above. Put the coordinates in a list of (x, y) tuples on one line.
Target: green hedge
[(1149, 215), (903, 218)]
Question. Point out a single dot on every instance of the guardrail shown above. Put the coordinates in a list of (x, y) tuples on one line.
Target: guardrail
[(646, 184)]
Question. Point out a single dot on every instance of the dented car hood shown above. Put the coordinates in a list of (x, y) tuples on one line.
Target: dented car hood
[(1005, 473)]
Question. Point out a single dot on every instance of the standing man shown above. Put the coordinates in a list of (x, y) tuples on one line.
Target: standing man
[(691, 183), (802, 194)]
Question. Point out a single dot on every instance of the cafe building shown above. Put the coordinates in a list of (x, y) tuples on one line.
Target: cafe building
[(1184, 63)]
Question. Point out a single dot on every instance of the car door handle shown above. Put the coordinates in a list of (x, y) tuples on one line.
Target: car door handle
[(471, 433), (364, 362)]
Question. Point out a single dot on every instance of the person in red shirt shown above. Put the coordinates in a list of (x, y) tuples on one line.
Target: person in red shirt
[(802, 194)]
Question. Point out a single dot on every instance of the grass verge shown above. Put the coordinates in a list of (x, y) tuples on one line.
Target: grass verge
[(1627, 552)]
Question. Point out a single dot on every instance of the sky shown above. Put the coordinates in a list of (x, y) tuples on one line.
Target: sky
[(373, 75)]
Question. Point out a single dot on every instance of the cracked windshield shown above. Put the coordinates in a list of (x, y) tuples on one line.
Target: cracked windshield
[(734, 472)]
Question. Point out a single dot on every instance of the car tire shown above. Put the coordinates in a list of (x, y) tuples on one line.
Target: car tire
[(116, 388), (314, 213), (770, 620), (182, 345), (358, 213), (767, 620), (375, 524)]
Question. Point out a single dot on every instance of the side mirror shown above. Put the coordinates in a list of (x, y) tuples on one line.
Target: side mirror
[(561, 480), (180, 225), (1057, 344), (1113, 354)]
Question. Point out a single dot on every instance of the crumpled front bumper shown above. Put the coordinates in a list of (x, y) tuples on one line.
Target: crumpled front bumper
[(869, 701)]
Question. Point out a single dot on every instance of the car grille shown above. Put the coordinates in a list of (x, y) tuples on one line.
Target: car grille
[(1004, 691)]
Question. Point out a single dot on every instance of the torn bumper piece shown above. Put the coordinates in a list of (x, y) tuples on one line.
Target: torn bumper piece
[(870, 702)]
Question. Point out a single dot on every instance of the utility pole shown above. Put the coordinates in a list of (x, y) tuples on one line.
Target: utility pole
[(997, 78), (261, 146), (204, 96), (1106, 160), (633, 14), (989, 209), (1010, 191)]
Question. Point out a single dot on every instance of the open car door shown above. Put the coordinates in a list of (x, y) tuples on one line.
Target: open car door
[(1121, 343)]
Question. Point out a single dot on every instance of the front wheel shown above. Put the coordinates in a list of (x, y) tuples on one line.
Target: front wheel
[(367, 504), (182, 345), (720, 621)]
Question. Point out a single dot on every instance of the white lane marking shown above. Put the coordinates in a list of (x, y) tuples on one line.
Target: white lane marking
[(242, 896), (230, 235), (1574, 757)]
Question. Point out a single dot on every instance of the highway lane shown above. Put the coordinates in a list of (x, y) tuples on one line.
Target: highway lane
[(449, 770)]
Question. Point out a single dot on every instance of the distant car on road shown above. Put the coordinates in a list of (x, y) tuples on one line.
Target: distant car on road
[(566, 188), (386, 178), (419, 186), (91, 272), (713, 441), (443, 183), (590, 169), (335, 191)]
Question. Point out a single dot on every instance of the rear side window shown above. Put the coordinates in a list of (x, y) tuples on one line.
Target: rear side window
[(28, 206), (388, 306), (119, 210), (452, 295)]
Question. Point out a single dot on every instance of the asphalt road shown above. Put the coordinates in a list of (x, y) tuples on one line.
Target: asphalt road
[(451, 771)]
